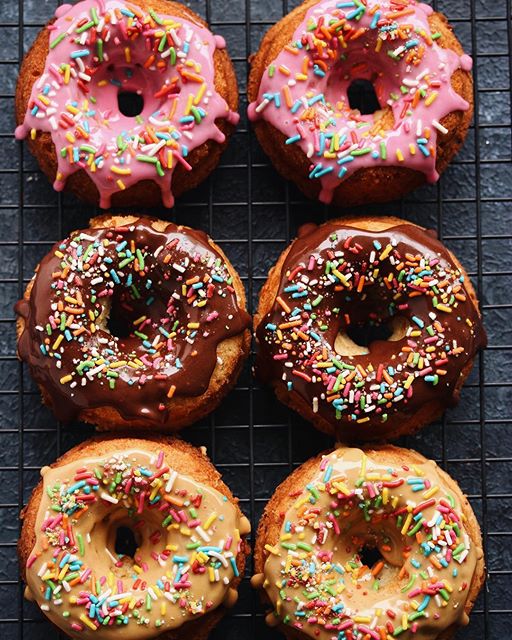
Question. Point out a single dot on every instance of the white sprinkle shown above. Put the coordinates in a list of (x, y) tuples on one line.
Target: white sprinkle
[(109, 498), (437, 125)]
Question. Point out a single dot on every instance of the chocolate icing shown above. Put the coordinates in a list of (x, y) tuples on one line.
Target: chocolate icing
[(181, 290), (444, 329)]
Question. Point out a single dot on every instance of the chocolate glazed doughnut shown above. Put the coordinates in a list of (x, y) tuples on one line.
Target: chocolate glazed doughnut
[(391, 278), (177, 309)]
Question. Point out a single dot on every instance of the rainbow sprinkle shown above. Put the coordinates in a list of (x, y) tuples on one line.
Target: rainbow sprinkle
[(316, 576), (346, 277), (182, 569)]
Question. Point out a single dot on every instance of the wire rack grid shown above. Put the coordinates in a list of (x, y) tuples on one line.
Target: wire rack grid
[(245, 206)]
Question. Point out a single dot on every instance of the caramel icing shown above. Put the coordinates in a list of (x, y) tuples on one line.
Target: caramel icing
[(337, 277), (317, 580), (188, 537), (170, 291)]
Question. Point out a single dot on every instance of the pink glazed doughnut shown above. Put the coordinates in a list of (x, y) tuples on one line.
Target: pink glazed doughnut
[(300, 99), (158, 53)]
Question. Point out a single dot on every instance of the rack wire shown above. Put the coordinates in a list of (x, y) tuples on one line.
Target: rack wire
[(245, 206)]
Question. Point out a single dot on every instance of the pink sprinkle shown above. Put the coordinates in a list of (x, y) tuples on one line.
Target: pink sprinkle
[(31, 561)]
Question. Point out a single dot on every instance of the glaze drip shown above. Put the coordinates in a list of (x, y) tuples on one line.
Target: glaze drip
[(170, 290), (303, 92), (96, 51)]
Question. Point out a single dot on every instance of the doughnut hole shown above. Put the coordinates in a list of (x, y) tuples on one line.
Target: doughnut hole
[(361, 87), (358, 338), (375, 557), (361, 96), (126, 541), (130, 103), (126, 90)]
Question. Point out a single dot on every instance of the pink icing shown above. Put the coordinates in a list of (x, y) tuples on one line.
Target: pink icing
[(303, 92), (111, 46)]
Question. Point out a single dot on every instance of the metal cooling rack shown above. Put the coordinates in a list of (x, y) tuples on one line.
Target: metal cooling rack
[(245, 206)]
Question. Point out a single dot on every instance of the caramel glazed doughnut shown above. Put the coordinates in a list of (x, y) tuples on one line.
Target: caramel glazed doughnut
[(299, 89), (190, 536), (331, 516), (178, 308), (356, 273), (72, 82)]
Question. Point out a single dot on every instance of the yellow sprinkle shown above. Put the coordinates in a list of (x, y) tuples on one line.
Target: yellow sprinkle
[(405, 624), (127, 54), (412, 149), (57, 342), (65, 379), (386, 252), (431, 99), (341, 486), (137, 569), (399, 155), (443, 307), (190, 102), (171, 391), (193, 325), (33, 133), (122, 171), (210, 521), (200, 94), (341, 277), (385, 495), (119, 363), (87, 621), (72, 109), (211, 574), (272, 550), (121, 184), (406, 524), (408, 382), (430, 492)]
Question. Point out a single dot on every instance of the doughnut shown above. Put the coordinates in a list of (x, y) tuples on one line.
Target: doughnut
[(134, 323), (375, 544), (126, 103), (367, 327), (303, 91), (187, 552)]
